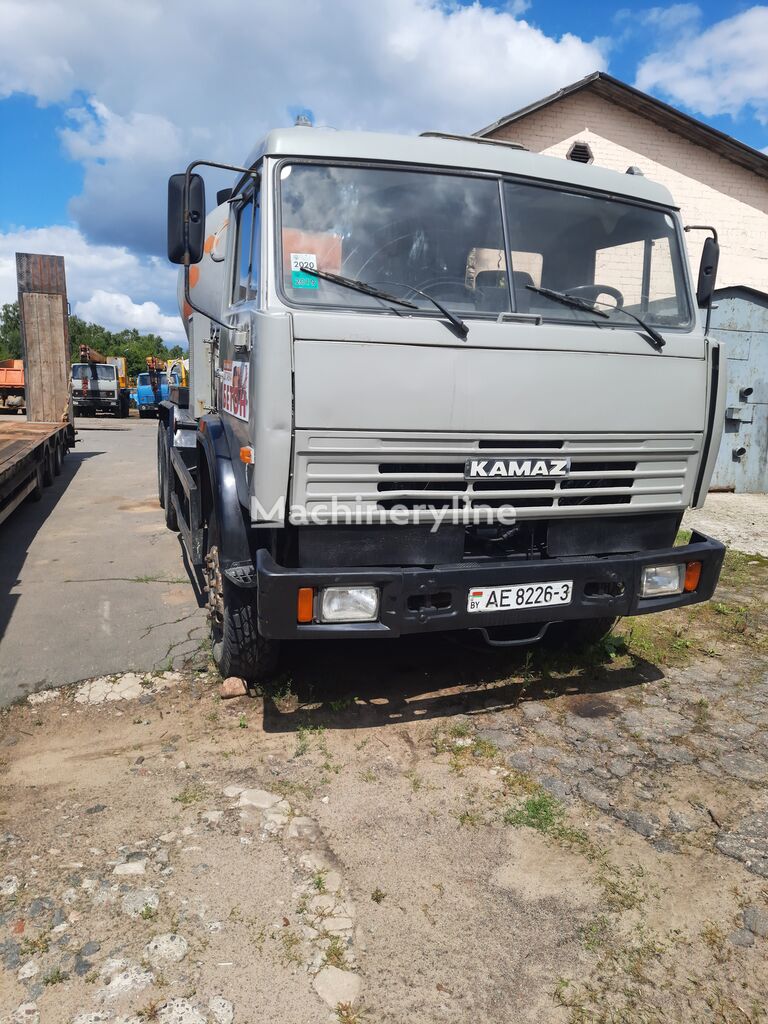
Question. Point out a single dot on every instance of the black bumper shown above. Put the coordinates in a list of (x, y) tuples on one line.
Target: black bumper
[(96, 403), (426, 600)]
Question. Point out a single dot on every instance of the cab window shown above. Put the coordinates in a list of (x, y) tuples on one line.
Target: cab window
[(247, 265)]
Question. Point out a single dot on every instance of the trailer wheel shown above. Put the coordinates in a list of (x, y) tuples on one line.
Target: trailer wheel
[(58, 458), (48, 466), (238, 647), (162, 467), (37, 493)]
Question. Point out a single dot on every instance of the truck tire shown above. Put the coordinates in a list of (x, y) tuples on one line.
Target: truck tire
[(162, 467), (237, 646), (58, 458)]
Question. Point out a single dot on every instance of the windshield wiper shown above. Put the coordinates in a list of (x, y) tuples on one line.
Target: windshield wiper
[(567, 300), (654, 339), (359, 286), (457, 322), (378, 293)]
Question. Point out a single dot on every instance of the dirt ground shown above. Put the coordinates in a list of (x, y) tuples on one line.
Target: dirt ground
[(738, 520), (421, 831)]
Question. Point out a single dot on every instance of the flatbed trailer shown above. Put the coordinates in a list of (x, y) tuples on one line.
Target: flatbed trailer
[(31, 455), (32, 450)]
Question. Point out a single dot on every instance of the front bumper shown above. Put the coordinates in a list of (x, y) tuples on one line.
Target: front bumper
[(417, 600), (95, 403)]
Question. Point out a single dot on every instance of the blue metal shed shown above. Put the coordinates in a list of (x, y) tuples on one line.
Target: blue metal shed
[(740, 323)]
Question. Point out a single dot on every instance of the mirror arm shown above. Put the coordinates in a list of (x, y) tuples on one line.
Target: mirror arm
[(701, 227), (186, 263)]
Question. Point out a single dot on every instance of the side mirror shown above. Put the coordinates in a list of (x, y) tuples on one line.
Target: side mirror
[(186, 219), (710, 256)]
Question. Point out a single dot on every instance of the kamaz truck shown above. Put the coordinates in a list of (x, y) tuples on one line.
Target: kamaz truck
[(100, 384), (436, 383)]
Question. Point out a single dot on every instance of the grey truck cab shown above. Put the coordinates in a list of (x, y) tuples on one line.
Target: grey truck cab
[(436, 384)]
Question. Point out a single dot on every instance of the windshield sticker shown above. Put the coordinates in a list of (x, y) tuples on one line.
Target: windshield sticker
[(300, 260), (234, 389)]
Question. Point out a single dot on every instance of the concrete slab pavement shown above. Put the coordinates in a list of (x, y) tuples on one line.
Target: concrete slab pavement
[(91, 581)]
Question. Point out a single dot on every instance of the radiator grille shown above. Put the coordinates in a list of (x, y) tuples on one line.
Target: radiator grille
[(386, 473)]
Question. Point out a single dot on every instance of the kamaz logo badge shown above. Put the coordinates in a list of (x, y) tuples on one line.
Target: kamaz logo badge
[(477, 469)]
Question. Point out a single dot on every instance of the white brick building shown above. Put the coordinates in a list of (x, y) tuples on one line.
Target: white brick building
[(714, 178)]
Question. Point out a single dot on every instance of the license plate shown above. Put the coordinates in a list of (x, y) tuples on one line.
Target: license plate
[(522, 595)]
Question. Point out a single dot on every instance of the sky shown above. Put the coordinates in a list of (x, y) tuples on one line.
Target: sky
[(101, 101)]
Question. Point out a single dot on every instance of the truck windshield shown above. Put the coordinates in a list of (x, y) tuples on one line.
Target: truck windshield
[(395, 230), (443, 234), (93, 371), (143, 381)]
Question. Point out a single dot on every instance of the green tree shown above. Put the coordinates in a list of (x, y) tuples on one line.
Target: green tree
[(10, 331), (129, 343)]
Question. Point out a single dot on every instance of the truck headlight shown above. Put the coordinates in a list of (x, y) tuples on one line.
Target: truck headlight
[(662, 580), (349, 604)]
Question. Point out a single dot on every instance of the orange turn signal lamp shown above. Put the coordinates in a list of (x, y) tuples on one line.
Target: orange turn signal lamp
[(305, 604), (692, 576), (246, 455)]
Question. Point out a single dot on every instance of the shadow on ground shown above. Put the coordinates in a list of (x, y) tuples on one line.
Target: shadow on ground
[(368, 684), (19, 530)]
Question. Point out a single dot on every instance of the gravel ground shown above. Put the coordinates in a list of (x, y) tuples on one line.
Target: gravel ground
[(421, 831), (739, 520)]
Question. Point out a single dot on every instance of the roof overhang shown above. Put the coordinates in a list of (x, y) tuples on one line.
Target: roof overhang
[(615, 91)]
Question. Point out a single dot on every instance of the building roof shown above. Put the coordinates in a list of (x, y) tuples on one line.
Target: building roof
[(615, 91), (470, 153)]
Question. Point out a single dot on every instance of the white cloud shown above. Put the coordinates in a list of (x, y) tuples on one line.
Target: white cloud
[(718, 70), (117, 312), (167, 83), (100, 279)]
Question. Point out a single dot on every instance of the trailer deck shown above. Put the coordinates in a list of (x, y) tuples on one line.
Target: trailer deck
[(30, 456)]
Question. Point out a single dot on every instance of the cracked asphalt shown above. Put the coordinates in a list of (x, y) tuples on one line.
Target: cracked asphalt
[(91, 582)]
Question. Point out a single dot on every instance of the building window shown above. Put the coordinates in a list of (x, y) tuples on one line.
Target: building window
[(581, 153)]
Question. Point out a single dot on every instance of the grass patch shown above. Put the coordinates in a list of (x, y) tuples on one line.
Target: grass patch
[(541, 812), (378, 896), (304, 736), (55, 977), (335, 954), (191, 794), (347, 1014)]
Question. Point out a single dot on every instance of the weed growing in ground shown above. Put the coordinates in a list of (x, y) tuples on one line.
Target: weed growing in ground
[(541, 812), (304, 734), (347, 1014), (318, 880), (148, 913), (28, 947), (335, 954), (55, 977), (378, 896), (190, 794)]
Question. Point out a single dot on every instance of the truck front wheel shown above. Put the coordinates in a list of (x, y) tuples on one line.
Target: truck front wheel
[(238, 648)]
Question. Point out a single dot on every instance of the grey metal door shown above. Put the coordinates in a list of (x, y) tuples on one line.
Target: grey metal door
[(740, 323)]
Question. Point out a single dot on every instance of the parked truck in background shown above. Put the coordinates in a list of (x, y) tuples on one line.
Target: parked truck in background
[(436, 384), (97, 384), (12, 385), (152, 387)]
